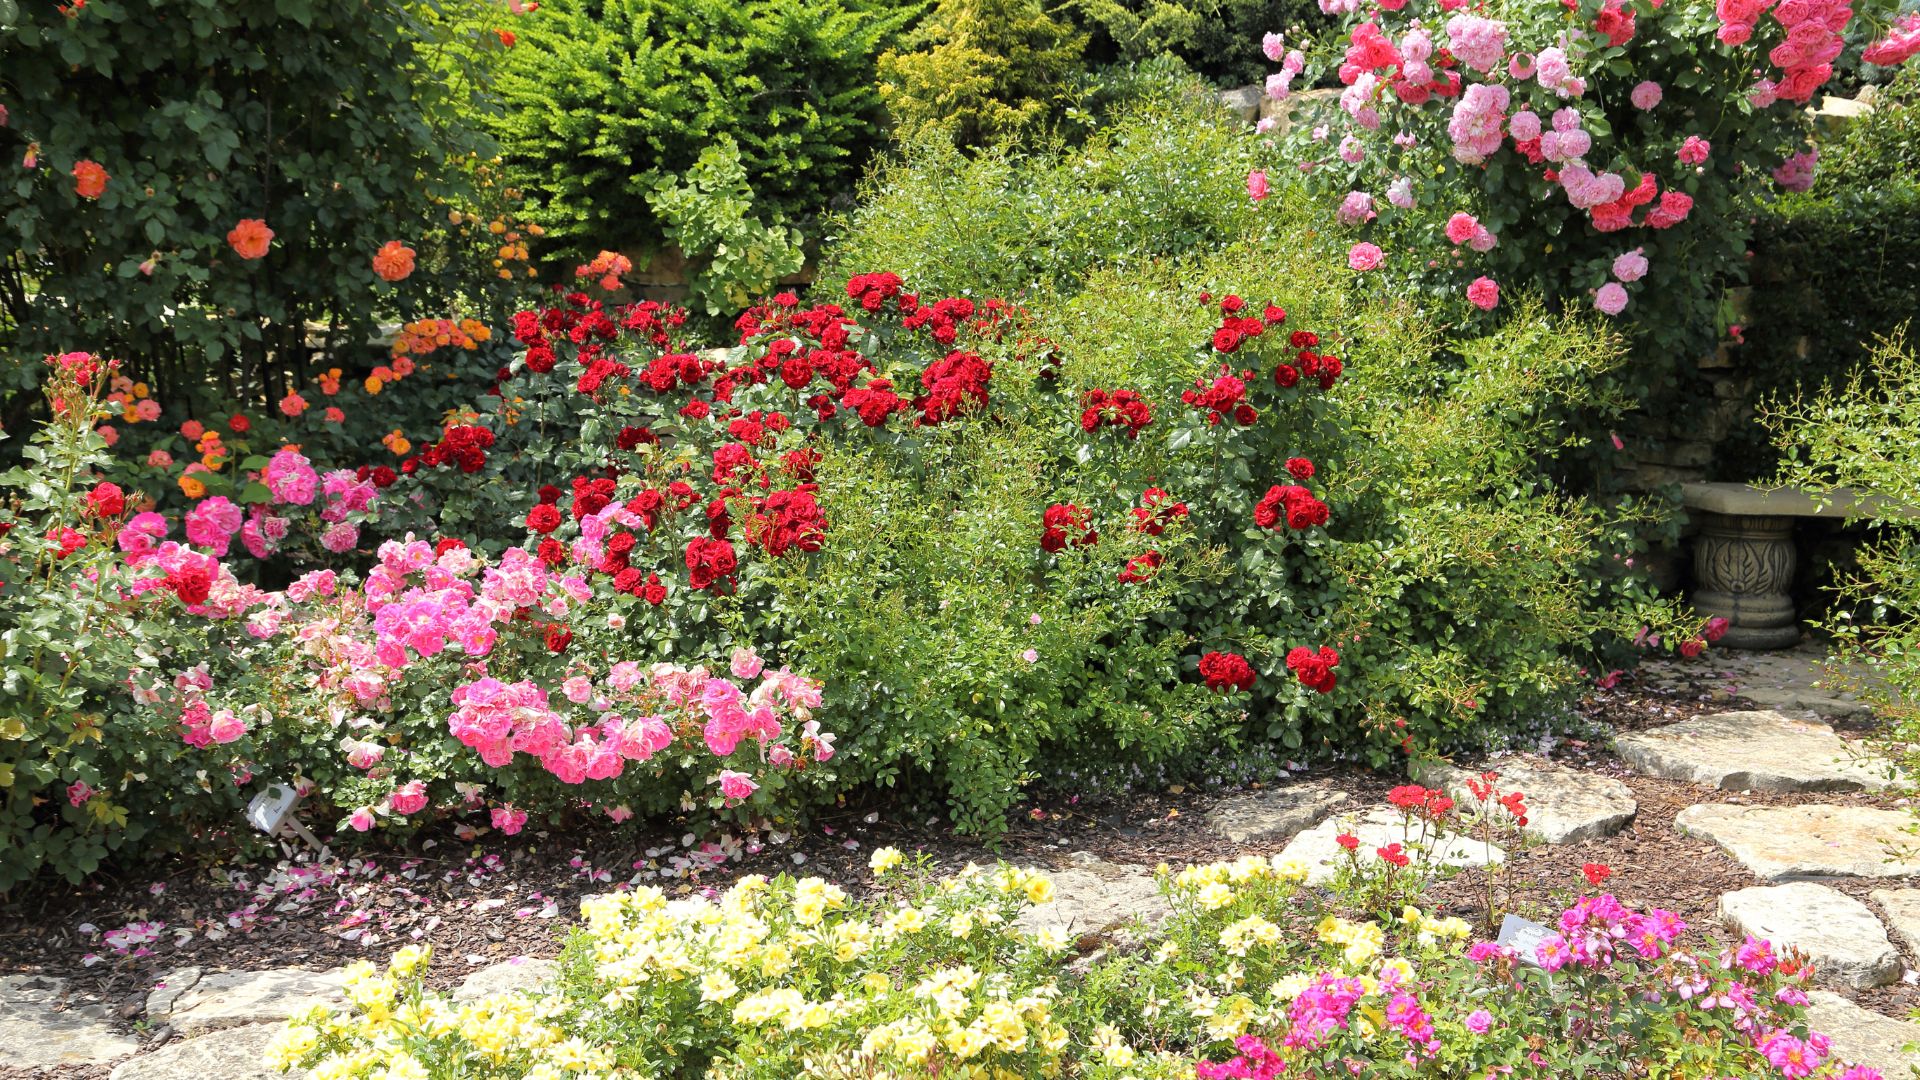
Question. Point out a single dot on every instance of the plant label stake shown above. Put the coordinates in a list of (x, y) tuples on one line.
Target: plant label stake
[(271, 811), (1524, 937)]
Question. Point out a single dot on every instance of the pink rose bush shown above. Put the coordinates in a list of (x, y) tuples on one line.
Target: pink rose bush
[(1556, 127)]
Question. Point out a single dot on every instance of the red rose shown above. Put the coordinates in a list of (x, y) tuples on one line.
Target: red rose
[(1226, 340), (543, 518), (1315, 672), (240, 424), (382, 476), (552, 552), (653, 592), (1300, 468), (446, 544), (1226, 671), (106, 500), (558, 638), (1348, 841), (1597, 873)]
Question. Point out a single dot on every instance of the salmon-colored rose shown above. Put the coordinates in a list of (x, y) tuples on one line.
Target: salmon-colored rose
[(251, 238), (394, 261), (89, 179)]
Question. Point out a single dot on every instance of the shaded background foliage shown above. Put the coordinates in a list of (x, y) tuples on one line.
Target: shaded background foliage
[(325, 118)]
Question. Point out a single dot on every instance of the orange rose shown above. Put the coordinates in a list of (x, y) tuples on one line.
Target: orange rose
[(394, 261), (192, 488), (89, 179), (250, 238)]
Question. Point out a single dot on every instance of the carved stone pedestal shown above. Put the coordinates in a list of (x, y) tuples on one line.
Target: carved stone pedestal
[(1743, 569)]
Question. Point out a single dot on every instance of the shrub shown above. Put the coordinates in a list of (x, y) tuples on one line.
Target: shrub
[(708, 215), (602, 101), (138, 137), (1251, 975), (1837, 266), (1864, 433), (1146, 185), (1607, 157), (983, 71)]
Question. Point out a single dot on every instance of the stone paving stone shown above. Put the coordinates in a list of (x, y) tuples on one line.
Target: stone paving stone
[(194, 1003), (1900, 909), (237, 1053), (1839, 934), (1753, 751), (1788, 843), (1564, 806), (1319, 848), (1094, 896), (1274, 814), (518, 973), (35, 1032), (1863, 1037)]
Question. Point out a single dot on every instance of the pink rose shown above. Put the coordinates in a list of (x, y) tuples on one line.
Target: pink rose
[(361, 820), (508, 819), (409, 798), (736, 785), (1611, 299), (1363, 256), (1646, 95), (1257, 188), (1484, 293), (226, 727)]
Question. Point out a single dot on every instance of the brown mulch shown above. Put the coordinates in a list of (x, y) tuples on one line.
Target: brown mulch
[(478, 903)]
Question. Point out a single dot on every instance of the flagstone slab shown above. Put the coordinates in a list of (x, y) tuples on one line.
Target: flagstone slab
[(1839, 934), (1275, 814), (37, 1030), (237, 1053), (1863, 1037), (193, 1003), (1900, 910), (1789, 843), (1754, 751), (506, 977), (1094, 896), (1564, 806), (1319, 847)]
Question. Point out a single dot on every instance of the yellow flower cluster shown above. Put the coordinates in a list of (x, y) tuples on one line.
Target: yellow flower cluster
[(1362, 941), (392, 1022)]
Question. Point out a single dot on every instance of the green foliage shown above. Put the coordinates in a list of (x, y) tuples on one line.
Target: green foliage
[(733, 256), (604, 100), (1210, 36), (1835, 267), (983, 71), (1147, 184), (324, 118), (1863, 433)]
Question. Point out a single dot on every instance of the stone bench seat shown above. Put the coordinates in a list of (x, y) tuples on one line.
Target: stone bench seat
[(1743, 557)]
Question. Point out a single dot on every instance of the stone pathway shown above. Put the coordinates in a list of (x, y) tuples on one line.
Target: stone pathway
[(38, 1030), (1791, 748)]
